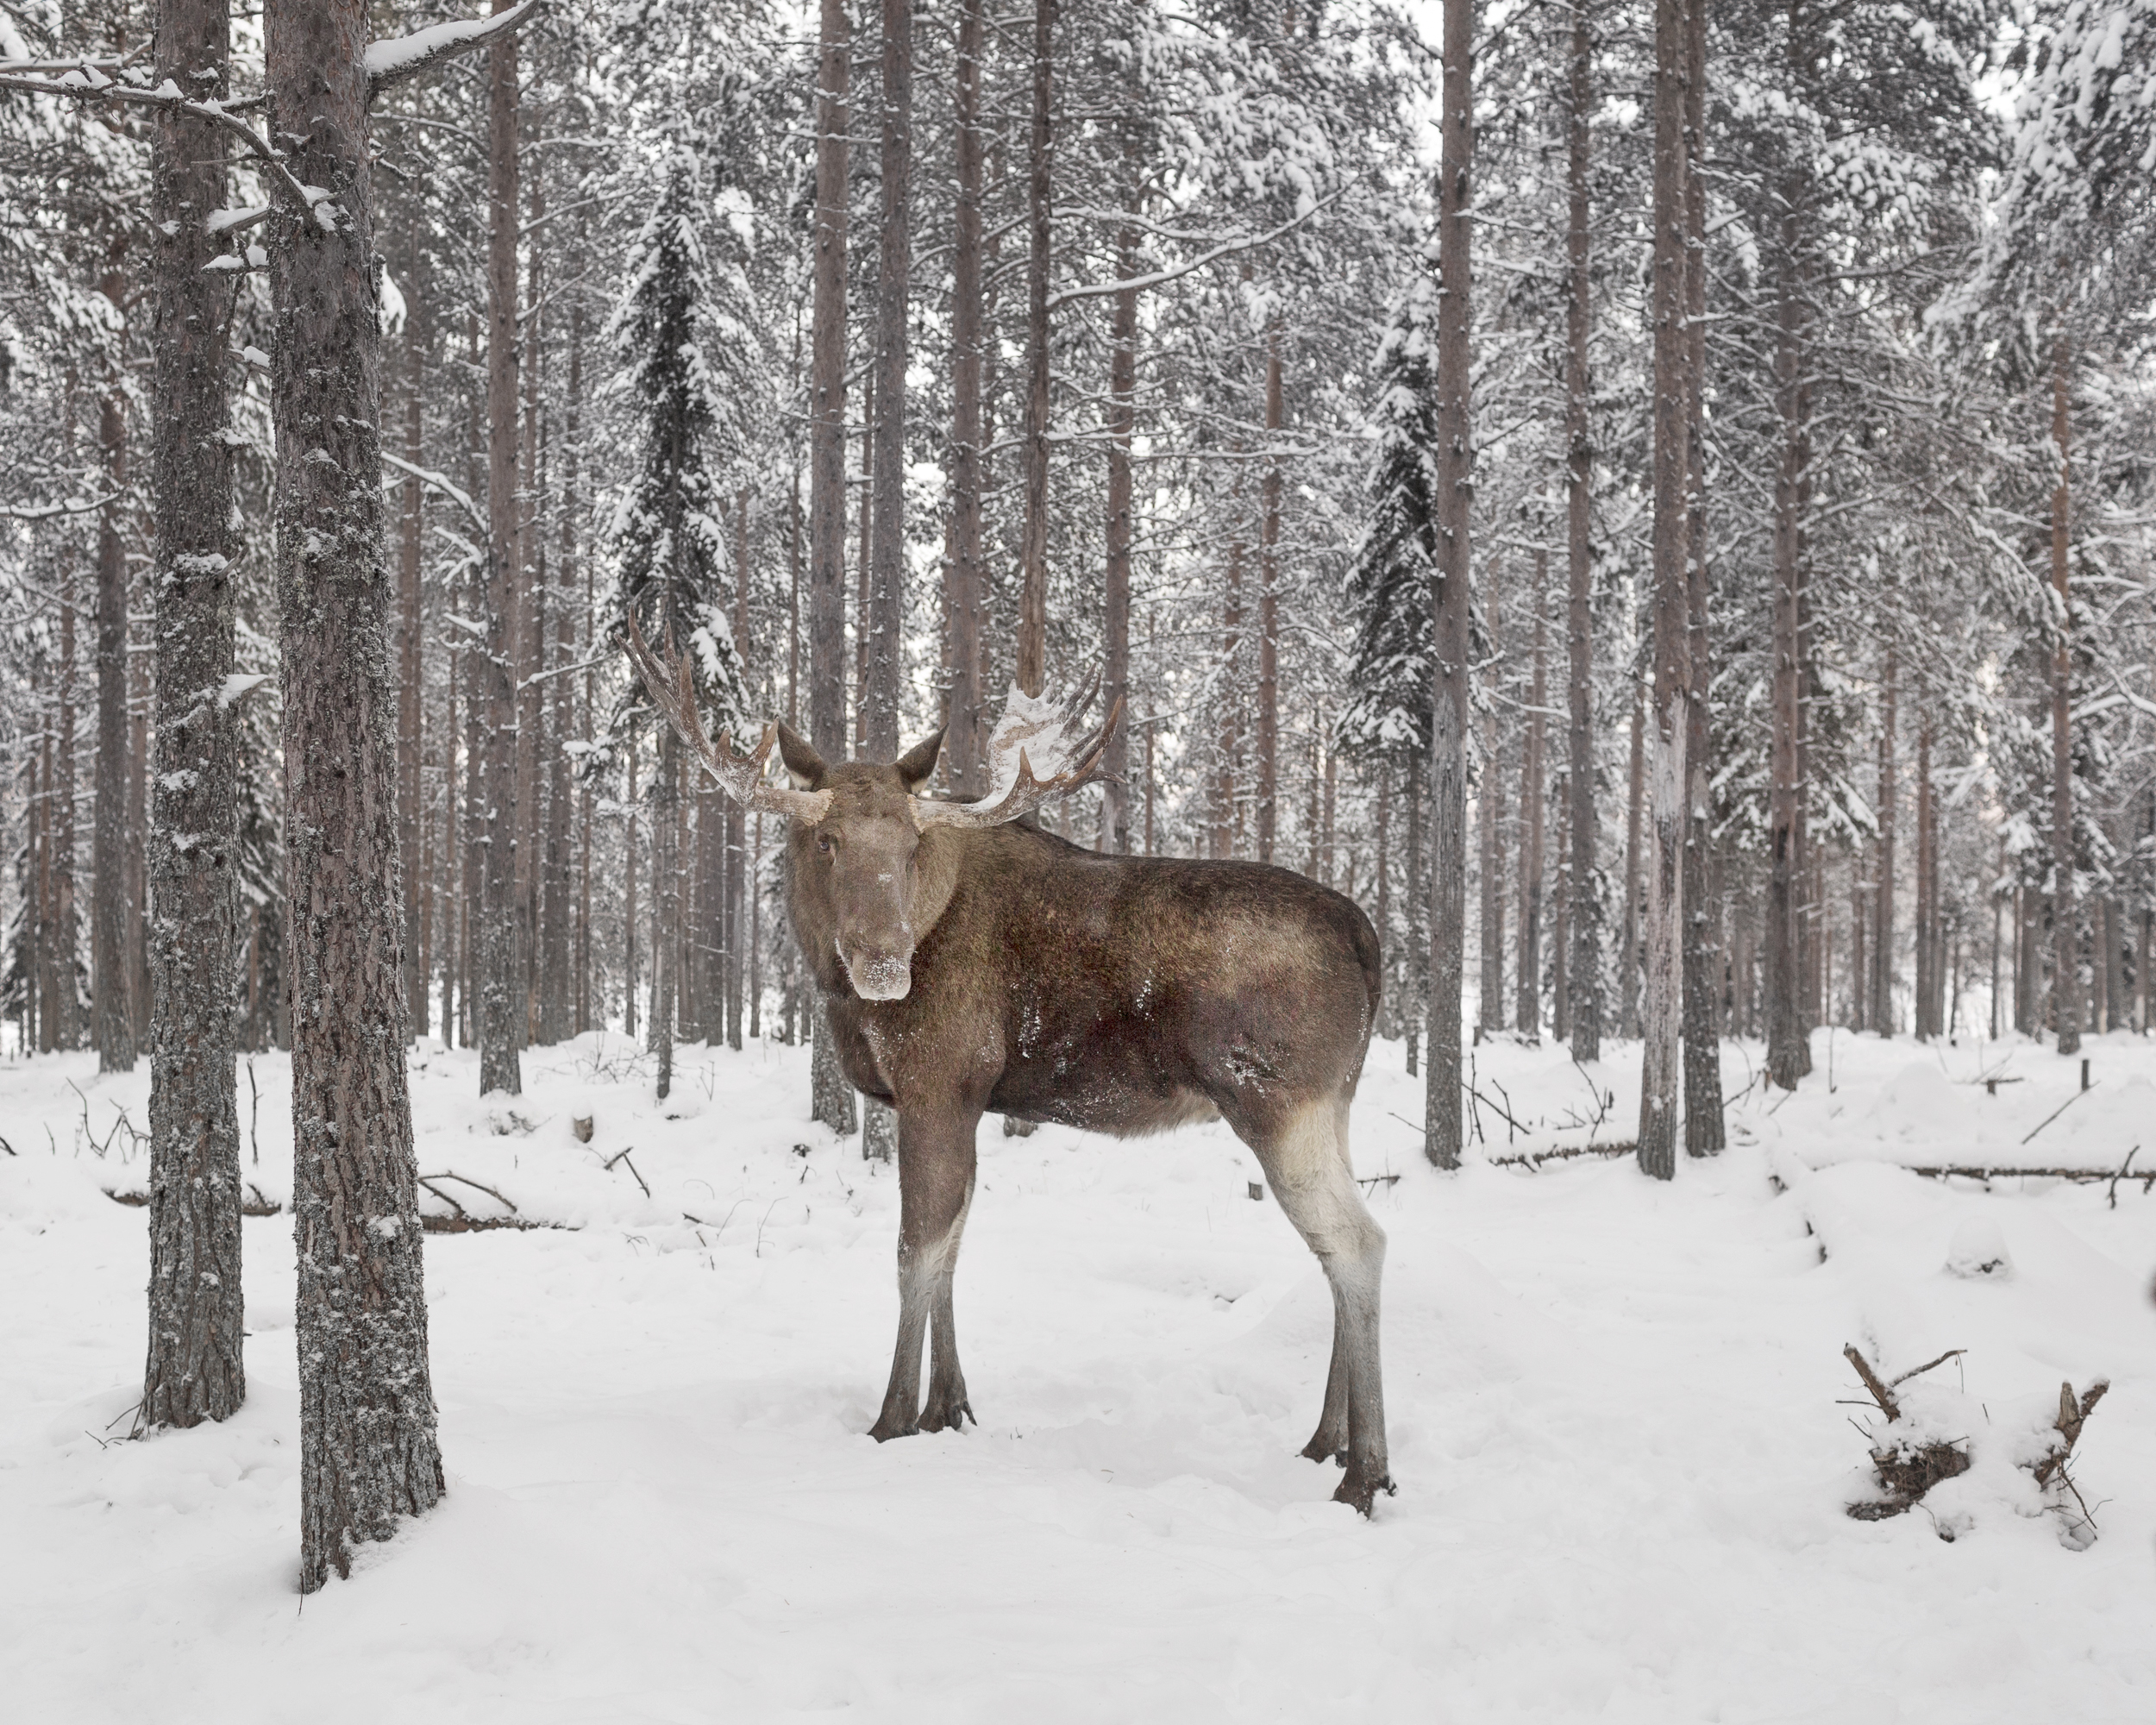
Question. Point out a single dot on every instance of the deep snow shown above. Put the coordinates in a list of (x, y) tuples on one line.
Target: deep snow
[(1614, 1410)]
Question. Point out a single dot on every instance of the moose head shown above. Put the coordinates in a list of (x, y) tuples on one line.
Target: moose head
[(870, 859)]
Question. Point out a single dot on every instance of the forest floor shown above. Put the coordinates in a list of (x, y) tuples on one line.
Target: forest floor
[(1619, 1417)]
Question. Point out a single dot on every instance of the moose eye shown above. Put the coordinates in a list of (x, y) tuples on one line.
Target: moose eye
[(823, 842)]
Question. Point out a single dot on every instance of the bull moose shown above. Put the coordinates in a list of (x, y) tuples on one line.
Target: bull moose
[(969, 961)]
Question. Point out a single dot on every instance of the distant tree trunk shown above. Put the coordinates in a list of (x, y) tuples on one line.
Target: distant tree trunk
[(2065, 910), (1927, 1025), (500, 997), (832, 1098), (1115, 802), (1667, 776), (1585, 902), (1033, 645), (1859, 951), (411, 626), (1443, 1140), (66, 939), (1230, 640), (1704, 1133), (631, 975), (527, 619), (1560, 935), (560, 1017), (1387, 946), (452, 852), (1636, 780), (965, 596), (1786, 1051), (369, 1453), (666, 890), (1489, 810), (141, 696), (112, 962), (1268, 609), (1533, 804), (195, 1368), (737, 825), (885, 619), (1415, 969), (1882, 940)]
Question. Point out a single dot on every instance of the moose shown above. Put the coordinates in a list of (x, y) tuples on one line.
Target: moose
[(968, 962)]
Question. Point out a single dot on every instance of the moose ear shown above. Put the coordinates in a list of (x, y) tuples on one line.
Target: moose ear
[(803, 764), (919, 762)]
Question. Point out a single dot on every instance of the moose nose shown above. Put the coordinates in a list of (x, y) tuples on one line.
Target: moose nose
[(879, 976)]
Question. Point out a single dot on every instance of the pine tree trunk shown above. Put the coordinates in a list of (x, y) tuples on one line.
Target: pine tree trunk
[(965, 594), (140, 696), (1032, 645), (1533, 804), (1443, 1140), (66, 942), (737, 886), (1560, 946), (1416, 893), (1269, 607), (1785, 1031), (1882, 940), (1666, 772), (1704, 1134), (632, 975), (1230, 640), (1387, 946), (831, 1097), (1635, 801), (666, 895), (1585, 899), (560, 997), (195, 1368), (369, 1453), (885, 618), (2065, 910), (501, 997), (1115, 802), (112, 961), (1489, 800)]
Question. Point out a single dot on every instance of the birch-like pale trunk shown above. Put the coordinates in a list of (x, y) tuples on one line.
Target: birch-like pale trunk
[(1660, 1080)]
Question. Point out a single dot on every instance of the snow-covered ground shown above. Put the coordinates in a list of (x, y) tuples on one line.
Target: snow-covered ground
[(1617, 1416)]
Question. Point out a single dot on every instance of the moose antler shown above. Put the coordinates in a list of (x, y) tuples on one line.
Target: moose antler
[(1041, 728), (740, 776)]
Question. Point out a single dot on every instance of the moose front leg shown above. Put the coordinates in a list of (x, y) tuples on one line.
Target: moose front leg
[(935, 1176)]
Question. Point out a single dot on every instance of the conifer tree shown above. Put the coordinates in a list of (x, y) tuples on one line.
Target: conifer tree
[(675, 340)]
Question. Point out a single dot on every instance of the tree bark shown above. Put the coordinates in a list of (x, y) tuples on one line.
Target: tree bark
[(66, 940), (1669, 729), (112, 962), (1489, 809), (885, 618), (1635, 800), (1702, 957), (1585, 902), (1269, 606), (410, 629), (368, 1452), (2065, 910), (1883, 953), (1533, 802), (965, 597), (560, 998), (195, 1368), (1033, 645), (666, 892), (500, 997), (831, 1097), (1785, 1031), (1115, 802), (1449, 604)]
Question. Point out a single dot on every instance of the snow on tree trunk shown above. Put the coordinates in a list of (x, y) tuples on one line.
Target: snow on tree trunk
[(2066, 914), (1702, 955), (112, 962), (195, 1370), (500, 998), (1585, 901), (1032, 645), (1534, 809), (369, 1453), (1442, 1124), (1666, 779)]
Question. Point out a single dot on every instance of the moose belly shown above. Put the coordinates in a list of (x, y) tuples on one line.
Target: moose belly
[(1095, 1077)]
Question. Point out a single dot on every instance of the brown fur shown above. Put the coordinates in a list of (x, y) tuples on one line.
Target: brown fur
[(1115, 994)]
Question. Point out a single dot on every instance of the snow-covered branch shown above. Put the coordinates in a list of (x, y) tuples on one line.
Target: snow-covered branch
[(1227, 248), (395, 58), (443, 483), (46, 511)]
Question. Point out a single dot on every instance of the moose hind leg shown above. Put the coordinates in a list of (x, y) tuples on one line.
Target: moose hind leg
[(1307, 1164), (935, 1174)]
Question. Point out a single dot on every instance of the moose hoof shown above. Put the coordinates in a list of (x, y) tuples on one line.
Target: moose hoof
[(888, 1426), (1359, 1491), (947, 1414)]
